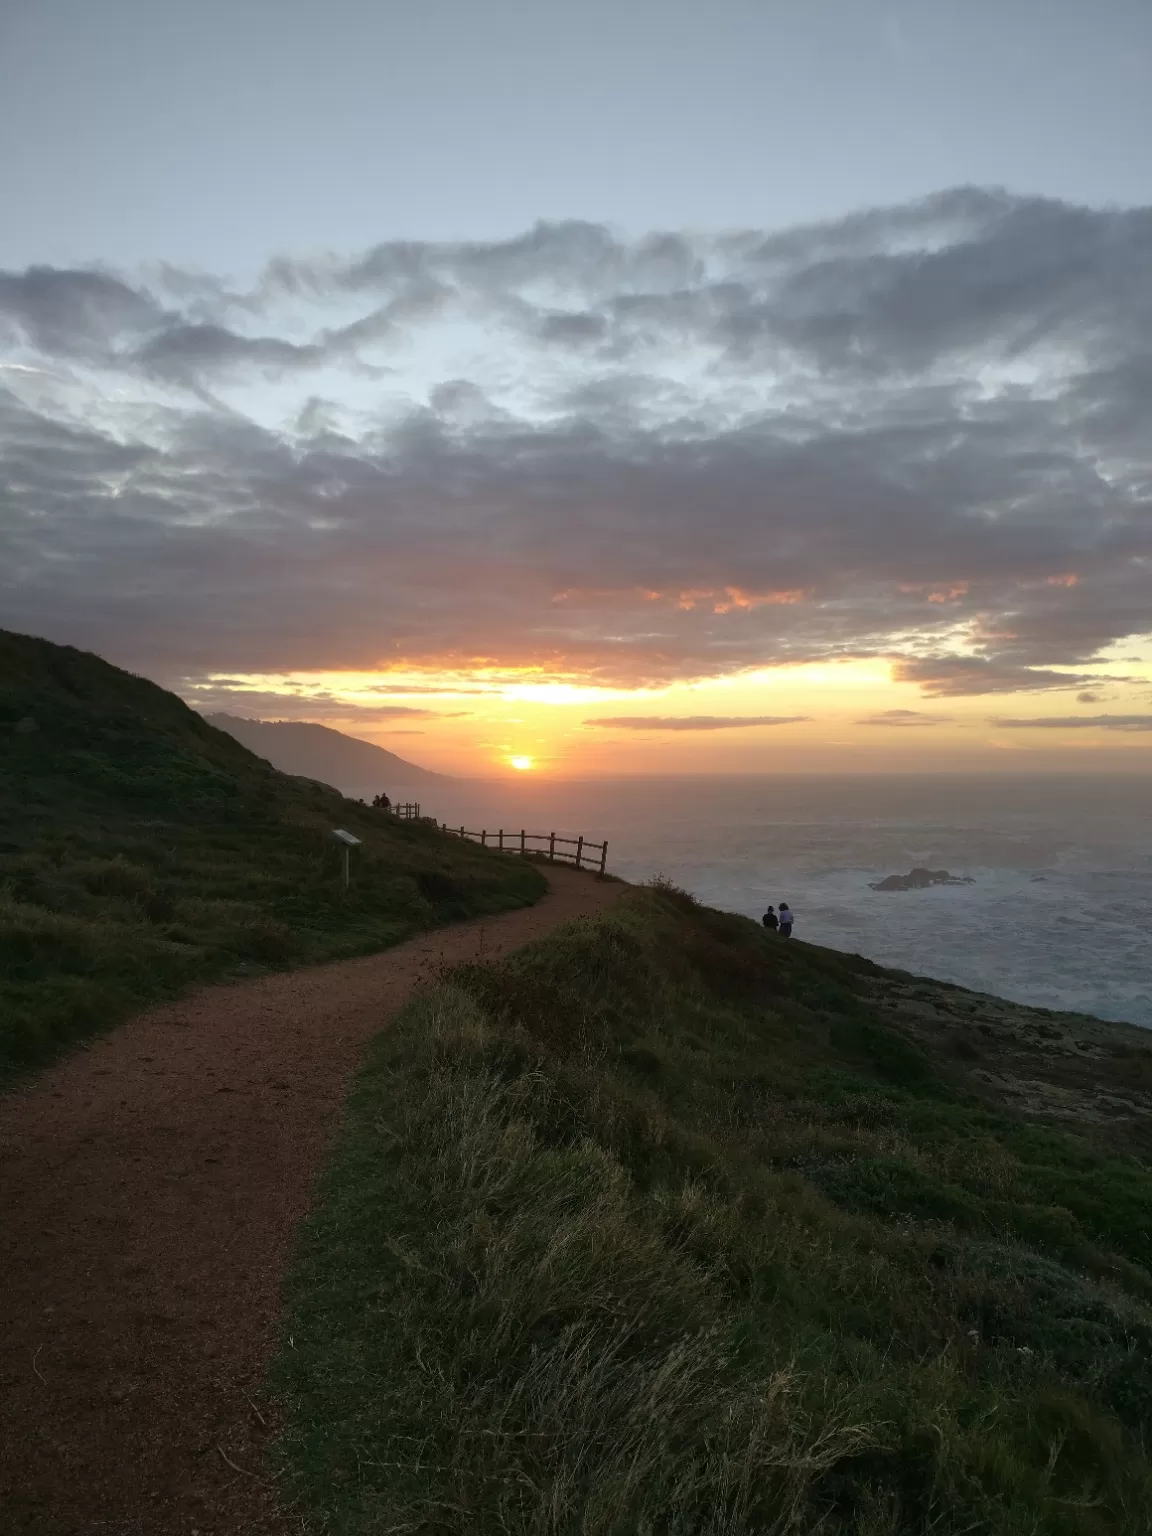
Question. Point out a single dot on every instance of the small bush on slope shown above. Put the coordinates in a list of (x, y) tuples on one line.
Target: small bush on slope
[(141, 850), (662, 1227)]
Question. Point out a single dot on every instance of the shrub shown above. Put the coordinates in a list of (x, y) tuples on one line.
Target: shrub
[(143, 849), (612, 1245)]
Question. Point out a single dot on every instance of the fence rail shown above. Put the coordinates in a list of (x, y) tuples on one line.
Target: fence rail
[(579, 851)]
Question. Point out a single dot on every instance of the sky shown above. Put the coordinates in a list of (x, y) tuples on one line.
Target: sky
[(611, 389)]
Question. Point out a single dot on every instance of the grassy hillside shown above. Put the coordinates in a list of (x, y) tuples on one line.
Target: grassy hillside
[(318, 752), (141, 850), (669, 1226)]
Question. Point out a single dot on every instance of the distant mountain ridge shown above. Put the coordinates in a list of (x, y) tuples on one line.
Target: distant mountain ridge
[(319, 752)]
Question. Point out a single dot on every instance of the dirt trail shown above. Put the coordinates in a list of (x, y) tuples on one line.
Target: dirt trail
[(150, 1188)]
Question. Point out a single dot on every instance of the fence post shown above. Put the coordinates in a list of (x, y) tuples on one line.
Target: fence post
[(603, 856), (501, 839), (552, 849), (484, 838), (521, 839), (579, 851), (461, 831)]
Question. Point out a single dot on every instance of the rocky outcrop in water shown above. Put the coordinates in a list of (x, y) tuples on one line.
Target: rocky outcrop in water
[(919, 879)]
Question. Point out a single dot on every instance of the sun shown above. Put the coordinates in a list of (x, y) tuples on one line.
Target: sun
[(521, 764)]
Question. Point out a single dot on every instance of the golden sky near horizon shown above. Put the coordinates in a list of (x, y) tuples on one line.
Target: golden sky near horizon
[(827, 717)]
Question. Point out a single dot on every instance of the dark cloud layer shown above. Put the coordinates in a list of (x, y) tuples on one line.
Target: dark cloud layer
[(903, 717), (231, 696), (920, 433), (692, 722), (956, 676), (1081, 722)]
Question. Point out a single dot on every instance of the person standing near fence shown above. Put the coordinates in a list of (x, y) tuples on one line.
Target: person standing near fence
[(786, 920)]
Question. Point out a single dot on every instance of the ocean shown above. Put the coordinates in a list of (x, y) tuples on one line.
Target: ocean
[(1057, 914)]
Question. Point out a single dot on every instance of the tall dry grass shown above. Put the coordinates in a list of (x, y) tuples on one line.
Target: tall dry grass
[(610, 1245)]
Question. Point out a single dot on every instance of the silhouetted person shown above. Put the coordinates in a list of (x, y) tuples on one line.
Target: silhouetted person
[(382, 802), (770, 920), (786, 920)]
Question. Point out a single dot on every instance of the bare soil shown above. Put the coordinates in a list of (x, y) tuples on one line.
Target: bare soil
[(150, 1189)]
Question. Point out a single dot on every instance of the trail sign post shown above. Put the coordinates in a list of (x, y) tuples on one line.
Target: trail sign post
[(347, 839)]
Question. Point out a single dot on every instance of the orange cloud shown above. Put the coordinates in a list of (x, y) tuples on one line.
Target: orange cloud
[(645, 594), (949, 594), (736, 597), (732, 599), (719, 599)]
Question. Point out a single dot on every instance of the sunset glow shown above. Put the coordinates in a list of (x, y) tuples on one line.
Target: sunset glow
[(583, 502), (850, 715)]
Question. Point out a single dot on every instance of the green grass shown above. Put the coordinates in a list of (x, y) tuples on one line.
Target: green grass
[(665, 1227), (142, 850)]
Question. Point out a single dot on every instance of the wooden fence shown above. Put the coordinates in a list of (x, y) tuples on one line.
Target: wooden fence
[(407, 812), (545, 845)]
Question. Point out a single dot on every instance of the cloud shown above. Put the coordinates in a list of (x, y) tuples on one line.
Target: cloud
[(903, 717), (956, 676), (692, 722), (918, 433), (74, 313), (1080, 722), (188, 351), (232, 697)]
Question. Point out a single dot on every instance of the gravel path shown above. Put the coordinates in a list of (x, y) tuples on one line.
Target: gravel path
[(150, 1188)]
